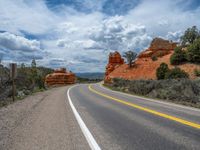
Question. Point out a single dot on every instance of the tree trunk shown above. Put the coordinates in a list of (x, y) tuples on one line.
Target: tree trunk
[(130, 64)]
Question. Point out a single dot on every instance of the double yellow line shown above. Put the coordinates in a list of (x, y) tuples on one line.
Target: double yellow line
[(182, 121)]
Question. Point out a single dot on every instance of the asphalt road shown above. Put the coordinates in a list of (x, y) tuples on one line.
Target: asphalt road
[(80, 118), (121, 121)]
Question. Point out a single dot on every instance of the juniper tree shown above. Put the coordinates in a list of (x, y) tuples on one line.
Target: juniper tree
[(130, 57)]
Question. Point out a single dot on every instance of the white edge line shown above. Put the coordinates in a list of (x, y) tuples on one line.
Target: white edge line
[(152, 100), (90, 139)]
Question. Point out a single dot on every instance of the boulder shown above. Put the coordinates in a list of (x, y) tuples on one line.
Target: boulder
[(60, 77)]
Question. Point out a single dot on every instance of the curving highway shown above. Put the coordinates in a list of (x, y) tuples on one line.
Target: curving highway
[(83, 117), (120, 121)]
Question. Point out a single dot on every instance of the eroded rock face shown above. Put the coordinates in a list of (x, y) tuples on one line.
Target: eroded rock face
[(159, 47), (60, 77), (114, 61), (144, 66)]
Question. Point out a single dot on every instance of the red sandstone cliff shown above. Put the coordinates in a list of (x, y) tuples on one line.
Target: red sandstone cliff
[(145, 67), (60, 77), (159, 47), (115, 60)]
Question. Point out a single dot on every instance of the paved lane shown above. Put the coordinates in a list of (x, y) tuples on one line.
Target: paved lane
[(118, 126)]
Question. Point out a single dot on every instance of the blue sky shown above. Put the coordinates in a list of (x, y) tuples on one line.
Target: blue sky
[(79, 34)]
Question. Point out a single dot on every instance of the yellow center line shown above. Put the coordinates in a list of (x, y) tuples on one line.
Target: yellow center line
[(182, 121)]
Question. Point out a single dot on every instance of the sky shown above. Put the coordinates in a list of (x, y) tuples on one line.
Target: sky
[(79, 34)]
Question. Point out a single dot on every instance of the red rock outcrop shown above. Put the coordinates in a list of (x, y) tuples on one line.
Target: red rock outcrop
[(60, 77), (115, 60), (159, 47), (145, 67)]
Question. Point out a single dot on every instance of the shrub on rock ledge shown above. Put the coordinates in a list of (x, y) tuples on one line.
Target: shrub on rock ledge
[(178, 57), (161, 71)]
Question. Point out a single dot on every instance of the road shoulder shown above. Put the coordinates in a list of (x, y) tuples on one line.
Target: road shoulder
[(41, 121)]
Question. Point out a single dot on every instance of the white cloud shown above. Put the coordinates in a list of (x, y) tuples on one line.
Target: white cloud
[(31, 16), (161, 17), (18, 48), (13, 42), (174, 36), (81, 40), (115, 33)]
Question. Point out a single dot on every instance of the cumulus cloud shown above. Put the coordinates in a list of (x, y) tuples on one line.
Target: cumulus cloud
[(90, 43), (80, 34), (160, 17), (174, 36), (115, 33), (18, 48), (13, 42), (30, 16)]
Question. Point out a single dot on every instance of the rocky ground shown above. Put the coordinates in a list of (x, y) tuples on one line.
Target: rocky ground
[(41, 121)]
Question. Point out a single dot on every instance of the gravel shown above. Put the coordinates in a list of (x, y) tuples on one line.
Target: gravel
[(41, 121)]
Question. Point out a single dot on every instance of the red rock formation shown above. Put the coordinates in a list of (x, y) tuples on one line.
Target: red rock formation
[(115, 60), (159, 47), (60, 77), (145, 67)]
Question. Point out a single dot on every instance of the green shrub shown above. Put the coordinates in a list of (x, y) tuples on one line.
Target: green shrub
[(141, 87), (179, 90), (178, 57), (176, 73), (120, 82), (154, 58), (161, 71), (197, 72), (193, 53)]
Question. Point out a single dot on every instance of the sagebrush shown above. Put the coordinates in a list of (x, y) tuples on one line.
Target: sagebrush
[(179, 90)]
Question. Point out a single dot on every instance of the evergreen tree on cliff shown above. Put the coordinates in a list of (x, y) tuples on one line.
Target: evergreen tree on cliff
[(130, 57), (190, 35)]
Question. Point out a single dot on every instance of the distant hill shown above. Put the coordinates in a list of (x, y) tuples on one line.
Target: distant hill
[(91, 75)]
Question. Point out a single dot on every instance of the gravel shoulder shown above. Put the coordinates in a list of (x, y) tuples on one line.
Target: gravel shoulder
[(41, 121)]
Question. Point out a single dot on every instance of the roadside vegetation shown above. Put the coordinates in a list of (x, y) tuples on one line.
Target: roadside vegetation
[(189, 48), (172, 84), (182, 91), (29, 79), (163, 72)]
